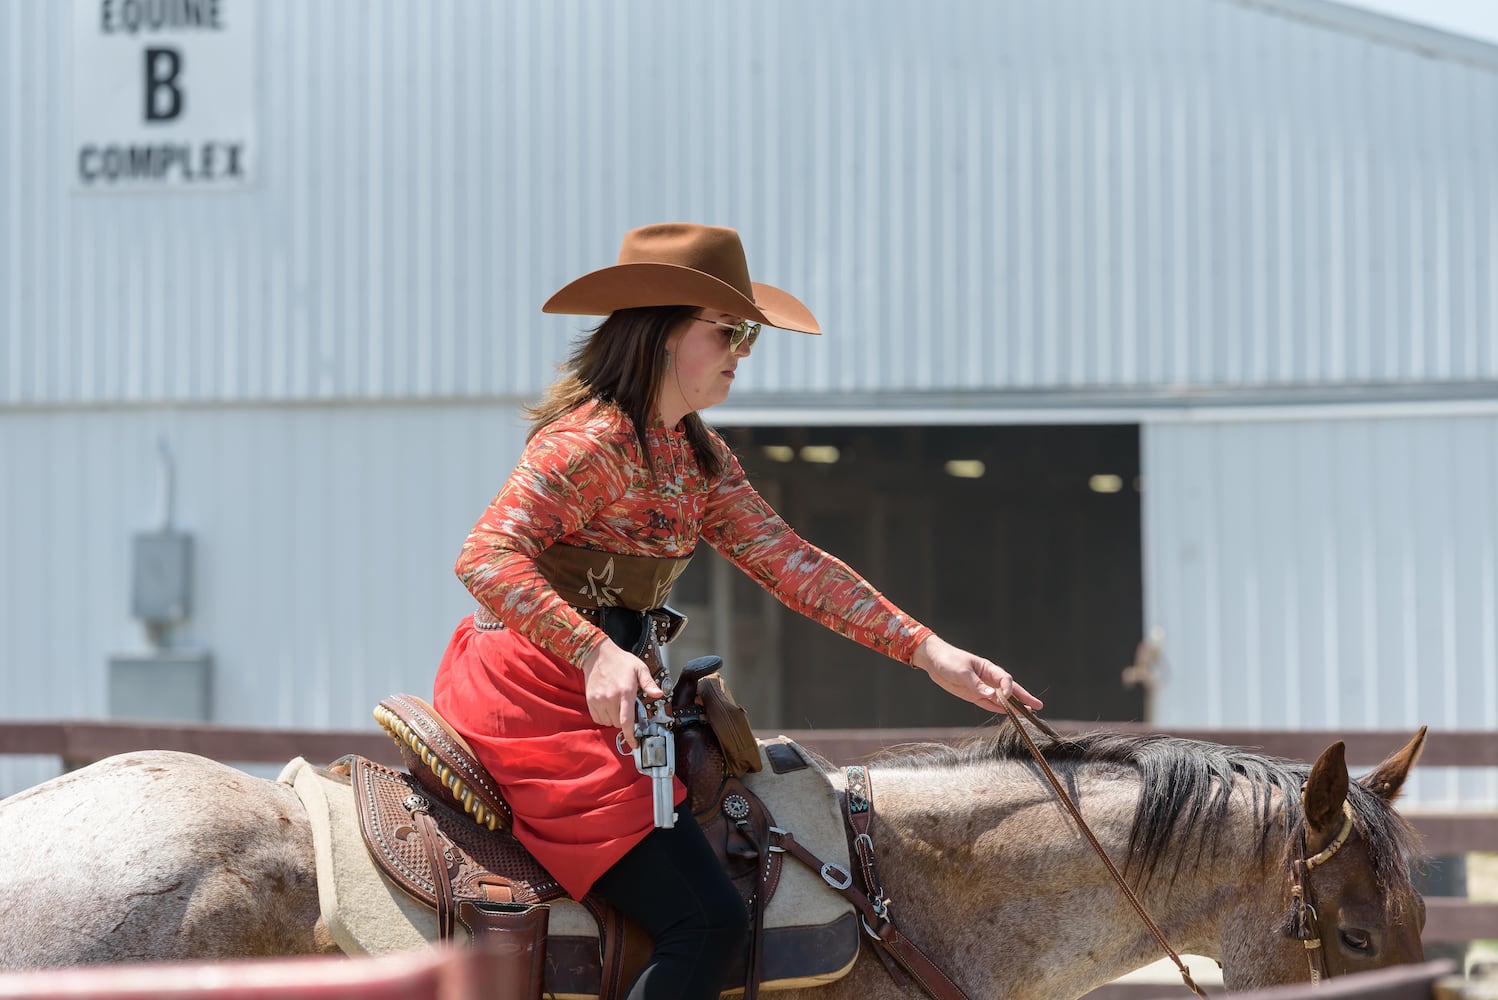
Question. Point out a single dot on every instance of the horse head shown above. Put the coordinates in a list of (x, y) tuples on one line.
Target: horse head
[(1351, 906), (1212, 838)]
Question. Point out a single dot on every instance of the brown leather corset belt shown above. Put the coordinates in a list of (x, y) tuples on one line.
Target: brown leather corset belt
[(624, 626)]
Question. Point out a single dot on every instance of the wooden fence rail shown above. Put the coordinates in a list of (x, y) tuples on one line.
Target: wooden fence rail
[(92, 739), (1448, 919)]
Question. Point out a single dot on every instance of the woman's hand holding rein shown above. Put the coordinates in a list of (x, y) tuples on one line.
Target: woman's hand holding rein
[(969, 676), (614, 678)]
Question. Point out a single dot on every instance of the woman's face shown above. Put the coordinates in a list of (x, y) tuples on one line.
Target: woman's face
[(702, 366)]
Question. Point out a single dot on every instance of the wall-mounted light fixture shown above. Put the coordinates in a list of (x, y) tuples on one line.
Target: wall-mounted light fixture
[(778, 452), (966, 468)]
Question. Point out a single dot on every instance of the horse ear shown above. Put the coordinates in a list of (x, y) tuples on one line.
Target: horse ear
[(1387, 779), (1322, 798)]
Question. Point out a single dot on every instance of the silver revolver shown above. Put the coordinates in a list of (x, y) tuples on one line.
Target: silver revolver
[(655, 755)]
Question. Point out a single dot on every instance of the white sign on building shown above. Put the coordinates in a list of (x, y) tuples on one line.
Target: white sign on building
[(163, 94)]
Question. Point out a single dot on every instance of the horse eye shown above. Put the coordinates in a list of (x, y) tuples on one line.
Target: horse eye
[(1356, 940)]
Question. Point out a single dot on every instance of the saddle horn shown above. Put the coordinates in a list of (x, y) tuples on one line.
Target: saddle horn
[(684, 694)]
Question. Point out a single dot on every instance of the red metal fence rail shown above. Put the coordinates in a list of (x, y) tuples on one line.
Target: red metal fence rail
[(435, 974)]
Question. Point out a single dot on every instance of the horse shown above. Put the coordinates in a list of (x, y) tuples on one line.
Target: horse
[(161, 855)]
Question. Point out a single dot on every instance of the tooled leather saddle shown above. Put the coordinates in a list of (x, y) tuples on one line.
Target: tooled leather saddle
[(441, 833)]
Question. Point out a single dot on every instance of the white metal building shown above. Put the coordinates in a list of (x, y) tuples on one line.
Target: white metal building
[(1256, 238)]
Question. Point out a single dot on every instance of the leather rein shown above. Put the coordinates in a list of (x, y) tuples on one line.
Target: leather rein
[(1301, 901), (895, 949), (1013, 707), (873, 905)]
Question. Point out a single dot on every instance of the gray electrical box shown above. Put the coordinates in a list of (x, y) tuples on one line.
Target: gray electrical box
[(161, 577), (165, 686)]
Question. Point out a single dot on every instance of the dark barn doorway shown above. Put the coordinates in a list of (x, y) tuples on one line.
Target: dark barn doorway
[(1022, 543)]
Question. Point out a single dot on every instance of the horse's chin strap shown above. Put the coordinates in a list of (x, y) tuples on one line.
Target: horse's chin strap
[(1305, 922), (894, 948)]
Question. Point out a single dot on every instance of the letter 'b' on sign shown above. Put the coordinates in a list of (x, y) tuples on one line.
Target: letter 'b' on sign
[(163, 96)]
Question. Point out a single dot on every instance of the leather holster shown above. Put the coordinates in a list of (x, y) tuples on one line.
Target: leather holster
[(513, 937)]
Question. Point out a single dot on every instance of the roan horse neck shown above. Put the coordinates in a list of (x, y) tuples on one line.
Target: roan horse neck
[(991, 878)]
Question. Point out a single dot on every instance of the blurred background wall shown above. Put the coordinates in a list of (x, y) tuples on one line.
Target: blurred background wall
[(1159, 334)]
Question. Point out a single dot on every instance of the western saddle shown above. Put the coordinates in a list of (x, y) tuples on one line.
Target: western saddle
[(441, 833)]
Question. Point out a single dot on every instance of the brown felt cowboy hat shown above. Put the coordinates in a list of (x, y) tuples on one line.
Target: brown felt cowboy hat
[(682, 264)]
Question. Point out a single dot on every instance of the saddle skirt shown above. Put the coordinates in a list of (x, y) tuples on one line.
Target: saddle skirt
[(810, 934)]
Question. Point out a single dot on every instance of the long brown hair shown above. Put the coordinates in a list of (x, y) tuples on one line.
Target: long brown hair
[(621, 363)]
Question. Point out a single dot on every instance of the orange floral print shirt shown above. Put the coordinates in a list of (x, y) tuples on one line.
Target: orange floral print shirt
[(582, 481)]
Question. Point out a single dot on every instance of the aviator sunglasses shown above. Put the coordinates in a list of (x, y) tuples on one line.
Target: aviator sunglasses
[(744, 333)]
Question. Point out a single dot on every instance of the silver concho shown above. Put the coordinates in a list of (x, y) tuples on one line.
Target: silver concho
[(735, 806), (414, 803)]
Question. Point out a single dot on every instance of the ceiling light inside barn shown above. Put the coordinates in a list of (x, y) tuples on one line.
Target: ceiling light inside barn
[(822, 454), (778, 452), (1105, 482), (966, 468)]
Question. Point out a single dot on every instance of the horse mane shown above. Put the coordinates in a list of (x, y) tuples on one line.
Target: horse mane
[(1186, 786)]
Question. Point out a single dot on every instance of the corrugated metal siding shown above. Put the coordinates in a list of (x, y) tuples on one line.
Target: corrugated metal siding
[(1326, 573), (324, 540), (978, 195)]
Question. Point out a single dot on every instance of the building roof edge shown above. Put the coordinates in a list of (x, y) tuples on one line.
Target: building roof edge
[(1433, 43)]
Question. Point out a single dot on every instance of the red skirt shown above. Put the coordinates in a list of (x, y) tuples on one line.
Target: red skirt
[(579, 804)]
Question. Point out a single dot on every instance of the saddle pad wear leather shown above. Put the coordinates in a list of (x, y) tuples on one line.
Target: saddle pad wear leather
[(804, 802)]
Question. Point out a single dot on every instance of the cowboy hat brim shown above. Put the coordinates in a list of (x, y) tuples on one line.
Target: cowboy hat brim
[(634, 286)]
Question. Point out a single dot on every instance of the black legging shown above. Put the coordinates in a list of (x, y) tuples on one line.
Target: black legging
[(673, 886)]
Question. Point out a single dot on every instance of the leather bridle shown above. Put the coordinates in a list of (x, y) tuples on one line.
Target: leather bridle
[(1305, 922)]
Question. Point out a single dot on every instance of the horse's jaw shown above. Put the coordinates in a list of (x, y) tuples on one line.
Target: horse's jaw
[(1256, 956)]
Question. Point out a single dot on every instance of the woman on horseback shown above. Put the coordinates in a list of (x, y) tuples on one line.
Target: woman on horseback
[(618, 482)]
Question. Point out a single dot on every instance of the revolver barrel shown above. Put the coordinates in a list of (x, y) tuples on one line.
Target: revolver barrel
[(655, 755)]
